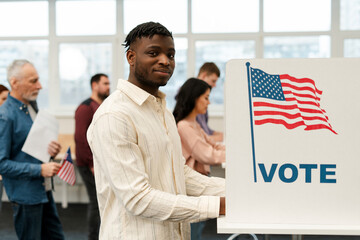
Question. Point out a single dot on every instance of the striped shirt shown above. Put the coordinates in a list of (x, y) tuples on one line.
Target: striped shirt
[(144, 188)]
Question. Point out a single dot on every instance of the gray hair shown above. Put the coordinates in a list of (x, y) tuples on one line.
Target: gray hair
[(13, 70)]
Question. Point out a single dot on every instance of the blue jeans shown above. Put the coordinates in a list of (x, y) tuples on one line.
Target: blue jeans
[(196, 230), (39, 221)]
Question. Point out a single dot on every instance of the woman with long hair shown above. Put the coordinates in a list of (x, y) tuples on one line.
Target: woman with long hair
[(198, 149)]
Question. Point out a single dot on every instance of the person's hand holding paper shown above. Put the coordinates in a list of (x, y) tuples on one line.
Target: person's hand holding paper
[(54, 148), (41, 142)]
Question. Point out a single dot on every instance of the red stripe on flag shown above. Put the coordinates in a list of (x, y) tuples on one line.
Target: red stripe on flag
[(301, 81), (306, 88), (266, 104), (67, 172), (280, 121), (319, 126), (288, 115), (287, 92), (316, 104)]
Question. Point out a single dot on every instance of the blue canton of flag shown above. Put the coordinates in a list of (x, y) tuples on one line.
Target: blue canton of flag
[(266, 85)]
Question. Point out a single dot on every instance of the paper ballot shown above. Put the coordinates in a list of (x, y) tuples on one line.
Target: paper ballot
[(44, 130)]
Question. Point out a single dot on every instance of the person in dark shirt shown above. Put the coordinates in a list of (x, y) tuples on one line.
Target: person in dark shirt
[(100, 86)]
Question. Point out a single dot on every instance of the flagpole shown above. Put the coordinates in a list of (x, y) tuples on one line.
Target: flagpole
[(251, 120)]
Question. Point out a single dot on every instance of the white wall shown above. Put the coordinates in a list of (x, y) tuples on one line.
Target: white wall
[(67, 124)]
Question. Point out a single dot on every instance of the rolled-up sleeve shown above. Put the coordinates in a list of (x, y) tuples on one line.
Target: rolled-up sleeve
[(198, 184)]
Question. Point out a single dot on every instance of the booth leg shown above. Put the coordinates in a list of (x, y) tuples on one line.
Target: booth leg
[(297, 237), (64, 199)]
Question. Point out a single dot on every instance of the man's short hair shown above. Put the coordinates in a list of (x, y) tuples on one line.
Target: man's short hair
[(13, 70), (148, 29), (96, 78), (209, 68)]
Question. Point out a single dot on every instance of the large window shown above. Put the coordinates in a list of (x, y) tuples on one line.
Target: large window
[(171, 12), (35, 51), (350, 15), (352, 48), (297, 47), (220, 52), (70, 40), (28, 18), (297, 15), (86, 17), (77, 63), (227, 16)]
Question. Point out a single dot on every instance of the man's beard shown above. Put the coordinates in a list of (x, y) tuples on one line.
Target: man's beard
[(140, 76), (103, 96), (30, 97)]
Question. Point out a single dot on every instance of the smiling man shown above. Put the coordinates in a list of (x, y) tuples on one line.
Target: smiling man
[(144, 188)]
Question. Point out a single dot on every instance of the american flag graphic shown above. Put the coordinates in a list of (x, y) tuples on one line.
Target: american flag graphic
[(286, 100), (67, 171)]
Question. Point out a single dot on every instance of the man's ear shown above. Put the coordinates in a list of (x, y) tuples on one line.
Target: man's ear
[(94, 86), (14, 83), (202, 75), (131, 56)]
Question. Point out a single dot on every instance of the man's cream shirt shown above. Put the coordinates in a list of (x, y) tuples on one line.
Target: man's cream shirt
[(144, 188)]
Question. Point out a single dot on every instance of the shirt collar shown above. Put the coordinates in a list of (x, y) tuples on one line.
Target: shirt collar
[(15, 102), (20, 105), (138, 95)]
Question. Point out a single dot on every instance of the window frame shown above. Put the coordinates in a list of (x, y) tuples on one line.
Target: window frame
[(336, 35)]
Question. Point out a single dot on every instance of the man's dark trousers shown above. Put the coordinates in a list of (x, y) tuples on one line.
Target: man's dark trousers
[(93, 216), (38, 221)]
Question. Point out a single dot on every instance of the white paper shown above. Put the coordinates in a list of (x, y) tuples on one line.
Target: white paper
[(44, 130)]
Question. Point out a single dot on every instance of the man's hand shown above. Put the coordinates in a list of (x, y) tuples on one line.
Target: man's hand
[(54, 148), (222, 206), (49, 169)]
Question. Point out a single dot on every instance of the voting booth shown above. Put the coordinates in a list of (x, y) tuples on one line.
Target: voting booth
[(292, 130)]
